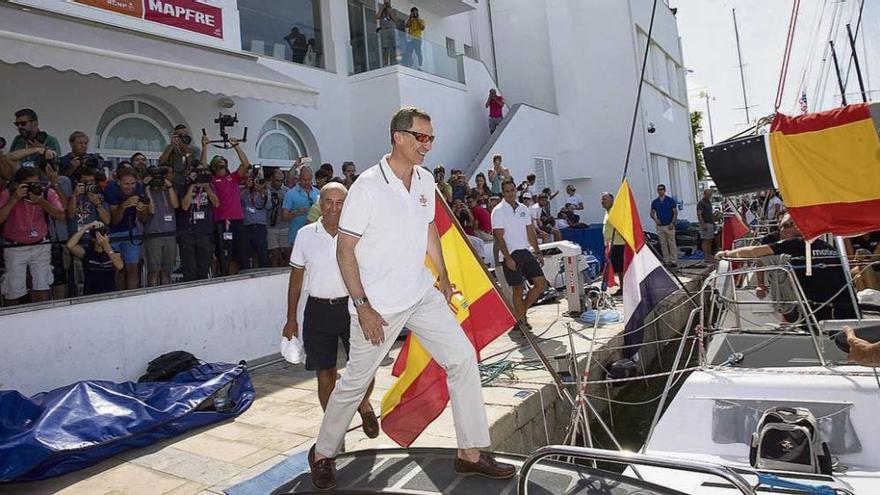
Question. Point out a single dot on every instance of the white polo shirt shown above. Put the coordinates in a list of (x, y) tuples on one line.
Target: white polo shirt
[(514, 221), (392, 225), (315, 252), (574, 199)]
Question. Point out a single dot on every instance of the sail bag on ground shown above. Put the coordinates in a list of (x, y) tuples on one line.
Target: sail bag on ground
[(827, 168), (420, 394), (645, 281)]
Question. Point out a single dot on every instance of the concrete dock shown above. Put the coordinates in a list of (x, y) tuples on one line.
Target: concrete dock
[(523, 408)]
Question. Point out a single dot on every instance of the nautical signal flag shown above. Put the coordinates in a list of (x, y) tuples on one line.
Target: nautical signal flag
[(645, 281), (420, 394), (827, 168)]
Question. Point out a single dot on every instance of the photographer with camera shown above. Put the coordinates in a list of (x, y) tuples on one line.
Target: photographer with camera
[(128, 211), (195, 224), (24, 208), (178, 155), (100, 263), (160, 244), (78, 156), (86, 203), (31, 146), (254, 200), (139, 163), (276, 229), (228, 215), (297, 203)]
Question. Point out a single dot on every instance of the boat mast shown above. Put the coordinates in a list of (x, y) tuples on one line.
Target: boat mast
[(742, 76)]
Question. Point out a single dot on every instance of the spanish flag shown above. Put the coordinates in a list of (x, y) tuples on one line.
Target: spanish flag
[(419, 395), (827, 167), (645, 281)]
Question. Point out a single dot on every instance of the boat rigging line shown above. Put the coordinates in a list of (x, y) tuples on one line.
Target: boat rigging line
[(786, 56)]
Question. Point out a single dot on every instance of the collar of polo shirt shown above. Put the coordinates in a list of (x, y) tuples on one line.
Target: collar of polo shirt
[(389, 174)]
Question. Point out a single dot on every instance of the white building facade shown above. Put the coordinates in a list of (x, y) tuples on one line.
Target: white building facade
[(126, 72)]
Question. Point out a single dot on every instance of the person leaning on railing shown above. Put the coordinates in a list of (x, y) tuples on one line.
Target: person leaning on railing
[(100, 263)]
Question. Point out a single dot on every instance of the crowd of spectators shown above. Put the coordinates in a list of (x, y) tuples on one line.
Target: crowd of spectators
[(77, 224)]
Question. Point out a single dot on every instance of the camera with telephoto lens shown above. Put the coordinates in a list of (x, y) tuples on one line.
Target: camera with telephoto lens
[(186, 139), (35, 188), (157, 177), (143, 198), (99, 230), (95, 162), (91, 188)]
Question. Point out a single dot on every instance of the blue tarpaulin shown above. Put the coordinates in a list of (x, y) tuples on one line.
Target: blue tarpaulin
[(72, 427)]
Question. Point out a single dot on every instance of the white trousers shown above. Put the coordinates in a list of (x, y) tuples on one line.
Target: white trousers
[(438, 331), (666, 233)]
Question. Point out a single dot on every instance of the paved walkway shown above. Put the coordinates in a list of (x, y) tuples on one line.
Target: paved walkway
[(286, 415)]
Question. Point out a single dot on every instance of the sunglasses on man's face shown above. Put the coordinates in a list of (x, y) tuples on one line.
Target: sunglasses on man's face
[(22, 123), (422, 138)]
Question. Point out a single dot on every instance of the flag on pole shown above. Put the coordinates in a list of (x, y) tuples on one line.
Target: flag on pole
[(827, 167), (645, 281), (803, 101), (419, 395)]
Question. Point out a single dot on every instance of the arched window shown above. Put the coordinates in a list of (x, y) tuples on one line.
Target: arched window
[(279, 144), (133, 126)]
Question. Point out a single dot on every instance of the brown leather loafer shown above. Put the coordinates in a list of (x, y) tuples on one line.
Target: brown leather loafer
[(370, 423), (323, 471), (487, 467)]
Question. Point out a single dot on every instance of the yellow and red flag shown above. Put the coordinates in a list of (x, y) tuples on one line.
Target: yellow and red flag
[(419, 395), (827, 167)]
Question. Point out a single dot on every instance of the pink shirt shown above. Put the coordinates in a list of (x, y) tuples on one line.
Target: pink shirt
[(26, 223), (495, 106), (226, 189), (482, 218)]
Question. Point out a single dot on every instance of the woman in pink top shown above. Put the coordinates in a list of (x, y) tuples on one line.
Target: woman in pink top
[(495, 104), (228, 215)]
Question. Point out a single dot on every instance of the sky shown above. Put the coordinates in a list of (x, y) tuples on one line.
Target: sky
[(709, 47)]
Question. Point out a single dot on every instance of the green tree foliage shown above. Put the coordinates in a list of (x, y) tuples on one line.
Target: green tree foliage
[(697, 131)]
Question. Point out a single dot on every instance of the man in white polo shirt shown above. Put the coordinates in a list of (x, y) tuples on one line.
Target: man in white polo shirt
[(326, 321), (387, 228), (514, 235)]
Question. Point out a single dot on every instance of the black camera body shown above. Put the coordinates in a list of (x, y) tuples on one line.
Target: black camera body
[(99, 230), (36, 189), (143, 198), (2, 142), (186, 139), (157, 177), (95, 162), (224, 121), (91, 188)]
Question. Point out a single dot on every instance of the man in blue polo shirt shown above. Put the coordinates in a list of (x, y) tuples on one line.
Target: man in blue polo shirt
[(297, 203), (664, 212)]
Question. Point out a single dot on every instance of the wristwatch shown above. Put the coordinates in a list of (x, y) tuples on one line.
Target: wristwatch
[(360, 301)]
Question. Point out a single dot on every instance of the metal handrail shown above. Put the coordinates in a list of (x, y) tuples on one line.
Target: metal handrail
[(810, 320), (630, 458)]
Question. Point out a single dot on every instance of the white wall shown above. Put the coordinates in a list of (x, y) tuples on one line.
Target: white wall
[(523, 52), (114, 340), (530, 133)]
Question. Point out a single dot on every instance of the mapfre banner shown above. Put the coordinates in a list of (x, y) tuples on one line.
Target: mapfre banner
[(183, 14)]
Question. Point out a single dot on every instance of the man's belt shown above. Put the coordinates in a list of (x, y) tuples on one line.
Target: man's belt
[(335, 300)]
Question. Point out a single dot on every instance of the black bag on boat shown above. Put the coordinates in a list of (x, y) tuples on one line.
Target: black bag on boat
[(788, 439), (166, 366)]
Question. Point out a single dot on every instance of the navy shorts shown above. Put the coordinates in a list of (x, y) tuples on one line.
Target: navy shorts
[(527, 267), (324, 326)]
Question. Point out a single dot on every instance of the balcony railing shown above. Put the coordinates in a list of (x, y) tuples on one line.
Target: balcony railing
[(368, 53)]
